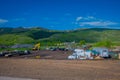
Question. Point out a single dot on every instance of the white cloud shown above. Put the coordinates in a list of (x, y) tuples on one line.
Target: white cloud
[(79, 18), (3, 21), (93, 21), (98, 23), (85, 18)]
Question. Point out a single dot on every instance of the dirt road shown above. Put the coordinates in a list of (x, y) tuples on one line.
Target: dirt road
[(43, 69)]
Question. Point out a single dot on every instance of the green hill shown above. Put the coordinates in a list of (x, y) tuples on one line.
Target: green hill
[(21, 35), (10, 39), (89, 35)]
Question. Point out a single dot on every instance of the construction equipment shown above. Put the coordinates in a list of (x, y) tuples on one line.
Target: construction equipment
[(36, 46)]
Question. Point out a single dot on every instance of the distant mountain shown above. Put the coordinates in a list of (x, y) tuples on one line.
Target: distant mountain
[(31, 35), (35, 33)]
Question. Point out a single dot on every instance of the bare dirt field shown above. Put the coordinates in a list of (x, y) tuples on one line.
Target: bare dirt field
[(46, 69), (47, 54)]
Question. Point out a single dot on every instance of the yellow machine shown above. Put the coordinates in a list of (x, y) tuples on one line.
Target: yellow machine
[(36, 46)]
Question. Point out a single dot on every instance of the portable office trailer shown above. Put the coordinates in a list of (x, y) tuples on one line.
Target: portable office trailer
[(81, 54), (103, 52)]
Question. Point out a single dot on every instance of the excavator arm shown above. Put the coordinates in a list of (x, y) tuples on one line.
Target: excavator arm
[(36, 46)]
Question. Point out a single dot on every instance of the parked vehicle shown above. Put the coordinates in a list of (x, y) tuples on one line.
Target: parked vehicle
[(14, 53)]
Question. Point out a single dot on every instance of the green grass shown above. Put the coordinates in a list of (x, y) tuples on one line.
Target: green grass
[(11, 39)]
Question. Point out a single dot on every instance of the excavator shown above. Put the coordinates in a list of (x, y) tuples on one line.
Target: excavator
[(36, 47)]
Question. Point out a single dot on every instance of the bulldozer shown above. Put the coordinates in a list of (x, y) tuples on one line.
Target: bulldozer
[(36, 47)]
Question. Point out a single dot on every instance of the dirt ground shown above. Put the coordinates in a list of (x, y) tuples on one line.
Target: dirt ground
[(47, 54), (46, 69)]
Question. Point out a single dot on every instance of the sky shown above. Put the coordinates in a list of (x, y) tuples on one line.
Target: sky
[(60, 14)]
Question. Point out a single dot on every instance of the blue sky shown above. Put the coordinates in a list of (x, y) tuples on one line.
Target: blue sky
[(60, 14)]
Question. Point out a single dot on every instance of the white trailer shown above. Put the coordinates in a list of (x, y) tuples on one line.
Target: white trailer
[(103, 52), (81, 54)]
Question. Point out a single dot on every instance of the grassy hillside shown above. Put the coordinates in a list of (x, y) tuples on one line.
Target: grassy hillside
[(35, 33), (10, 39), (21, 35), (89, 35)]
